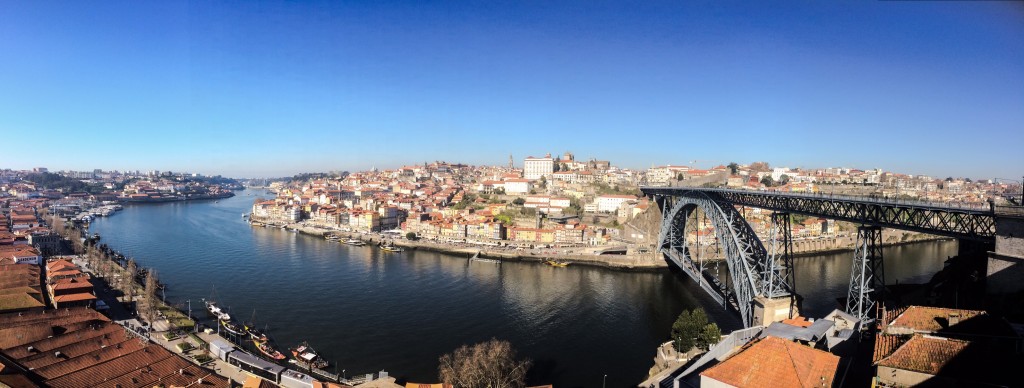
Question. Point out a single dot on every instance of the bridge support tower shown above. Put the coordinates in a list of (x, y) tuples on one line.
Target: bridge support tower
[(867, 276)]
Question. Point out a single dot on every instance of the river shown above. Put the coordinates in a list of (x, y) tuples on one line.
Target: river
[(366, 310)]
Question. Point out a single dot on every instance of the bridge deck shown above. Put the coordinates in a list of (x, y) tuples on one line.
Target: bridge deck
[(958, 220)]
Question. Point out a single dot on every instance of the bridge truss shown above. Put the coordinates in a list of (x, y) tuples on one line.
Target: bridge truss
[(752, 271), (755, 271), (962, 223)]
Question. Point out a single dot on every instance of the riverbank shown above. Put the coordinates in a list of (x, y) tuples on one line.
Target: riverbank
[(629, 263)]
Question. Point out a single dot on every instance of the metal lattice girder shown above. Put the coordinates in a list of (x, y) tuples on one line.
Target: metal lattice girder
[(971, 223), (778, 266), (867, 275), (745, 255)]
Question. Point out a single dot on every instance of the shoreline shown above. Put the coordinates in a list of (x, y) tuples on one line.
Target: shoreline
[(623, 263)]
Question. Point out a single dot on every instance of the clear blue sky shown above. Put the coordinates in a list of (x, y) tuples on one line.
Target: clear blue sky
[(268, 89)]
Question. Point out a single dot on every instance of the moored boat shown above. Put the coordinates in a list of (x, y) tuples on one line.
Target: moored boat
[(554, 263), (305, 354), (265, 348), (231, 327), (254, 332), (391, 248), (356, 242), (214, 310)]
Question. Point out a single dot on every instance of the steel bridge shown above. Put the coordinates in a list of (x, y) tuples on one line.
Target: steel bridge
[(757, 273)]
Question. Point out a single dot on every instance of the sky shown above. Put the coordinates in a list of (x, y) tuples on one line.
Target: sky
[(258, 89)]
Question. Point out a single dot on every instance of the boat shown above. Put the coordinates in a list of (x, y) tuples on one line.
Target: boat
[(215, 310), (331, 237), (306, 355), (356, 242), (253, 331), (244, 215), (391, 248), (265, 348), (231, 327), (554, 263)]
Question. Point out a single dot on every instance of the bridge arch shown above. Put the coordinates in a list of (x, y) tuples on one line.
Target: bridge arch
[(751, 270)]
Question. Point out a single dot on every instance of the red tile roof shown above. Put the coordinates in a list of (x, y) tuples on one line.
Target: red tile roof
[(925, 354), (782, 363), (930, 319), (886, 344)]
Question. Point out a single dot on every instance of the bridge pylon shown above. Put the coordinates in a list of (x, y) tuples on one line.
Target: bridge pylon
[(867, 275), (778, 265)]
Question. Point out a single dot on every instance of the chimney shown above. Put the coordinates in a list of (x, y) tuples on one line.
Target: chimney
[(953, 319)]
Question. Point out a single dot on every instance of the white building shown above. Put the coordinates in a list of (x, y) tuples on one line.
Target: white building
[(517, 186), (611, 203), (534, 168)]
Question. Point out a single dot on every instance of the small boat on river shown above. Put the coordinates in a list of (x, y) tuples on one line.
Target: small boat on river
[(355, 242), (554, 263), (391, 248), (214, 310), (306, 355), (230, 326), (267, 350)]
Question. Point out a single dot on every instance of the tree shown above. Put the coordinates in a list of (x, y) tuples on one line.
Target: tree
[(760, 167), (518, 201), (783, 179), (709, 335), (411, 236), (128, 281), (490, 364), (734, 168), (680, 176), (692, 329), (767, 181), (150, 291)]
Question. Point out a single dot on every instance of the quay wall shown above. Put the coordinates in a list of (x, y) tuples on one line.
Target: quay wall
[(630, 262)]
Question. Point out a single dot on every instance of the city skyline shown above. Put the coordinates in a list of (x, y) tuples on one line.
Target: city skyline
[(266, 89)]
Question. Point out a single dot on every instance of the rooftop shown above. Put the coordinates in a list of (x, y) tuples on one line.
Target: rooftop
[(783, 363)]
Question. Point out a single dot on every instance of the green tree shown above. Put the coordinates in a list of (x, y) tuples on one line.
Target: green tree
[(709, 335), (680, 176), (411, 236), (518, 201), (783, 179), (692, 329), (734, 168), (767, 181)]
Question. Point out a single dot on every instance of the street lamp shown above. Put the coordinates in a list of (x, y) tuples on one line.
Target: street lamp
[(603, 380)]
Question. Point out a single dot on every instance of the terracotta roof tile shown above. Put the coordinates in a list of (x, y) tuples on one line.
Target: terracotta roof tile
[(925, 354), (886, 344), (930, 319), (781, 362)]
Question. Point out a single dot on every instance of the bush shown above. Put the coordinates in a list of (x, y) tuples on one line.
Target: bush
[(411, 236), (184, 347)]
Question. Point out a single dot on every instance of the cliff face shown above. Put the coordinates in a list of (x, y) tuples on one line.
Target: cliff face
[(643, 229)]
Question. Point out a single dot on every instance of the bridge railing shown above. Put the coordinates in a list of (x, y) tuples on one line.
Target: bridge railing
[(977, 207)]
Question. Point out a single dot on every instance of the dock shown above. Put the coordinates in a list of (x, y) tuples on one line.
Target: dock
[(476, 257)]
